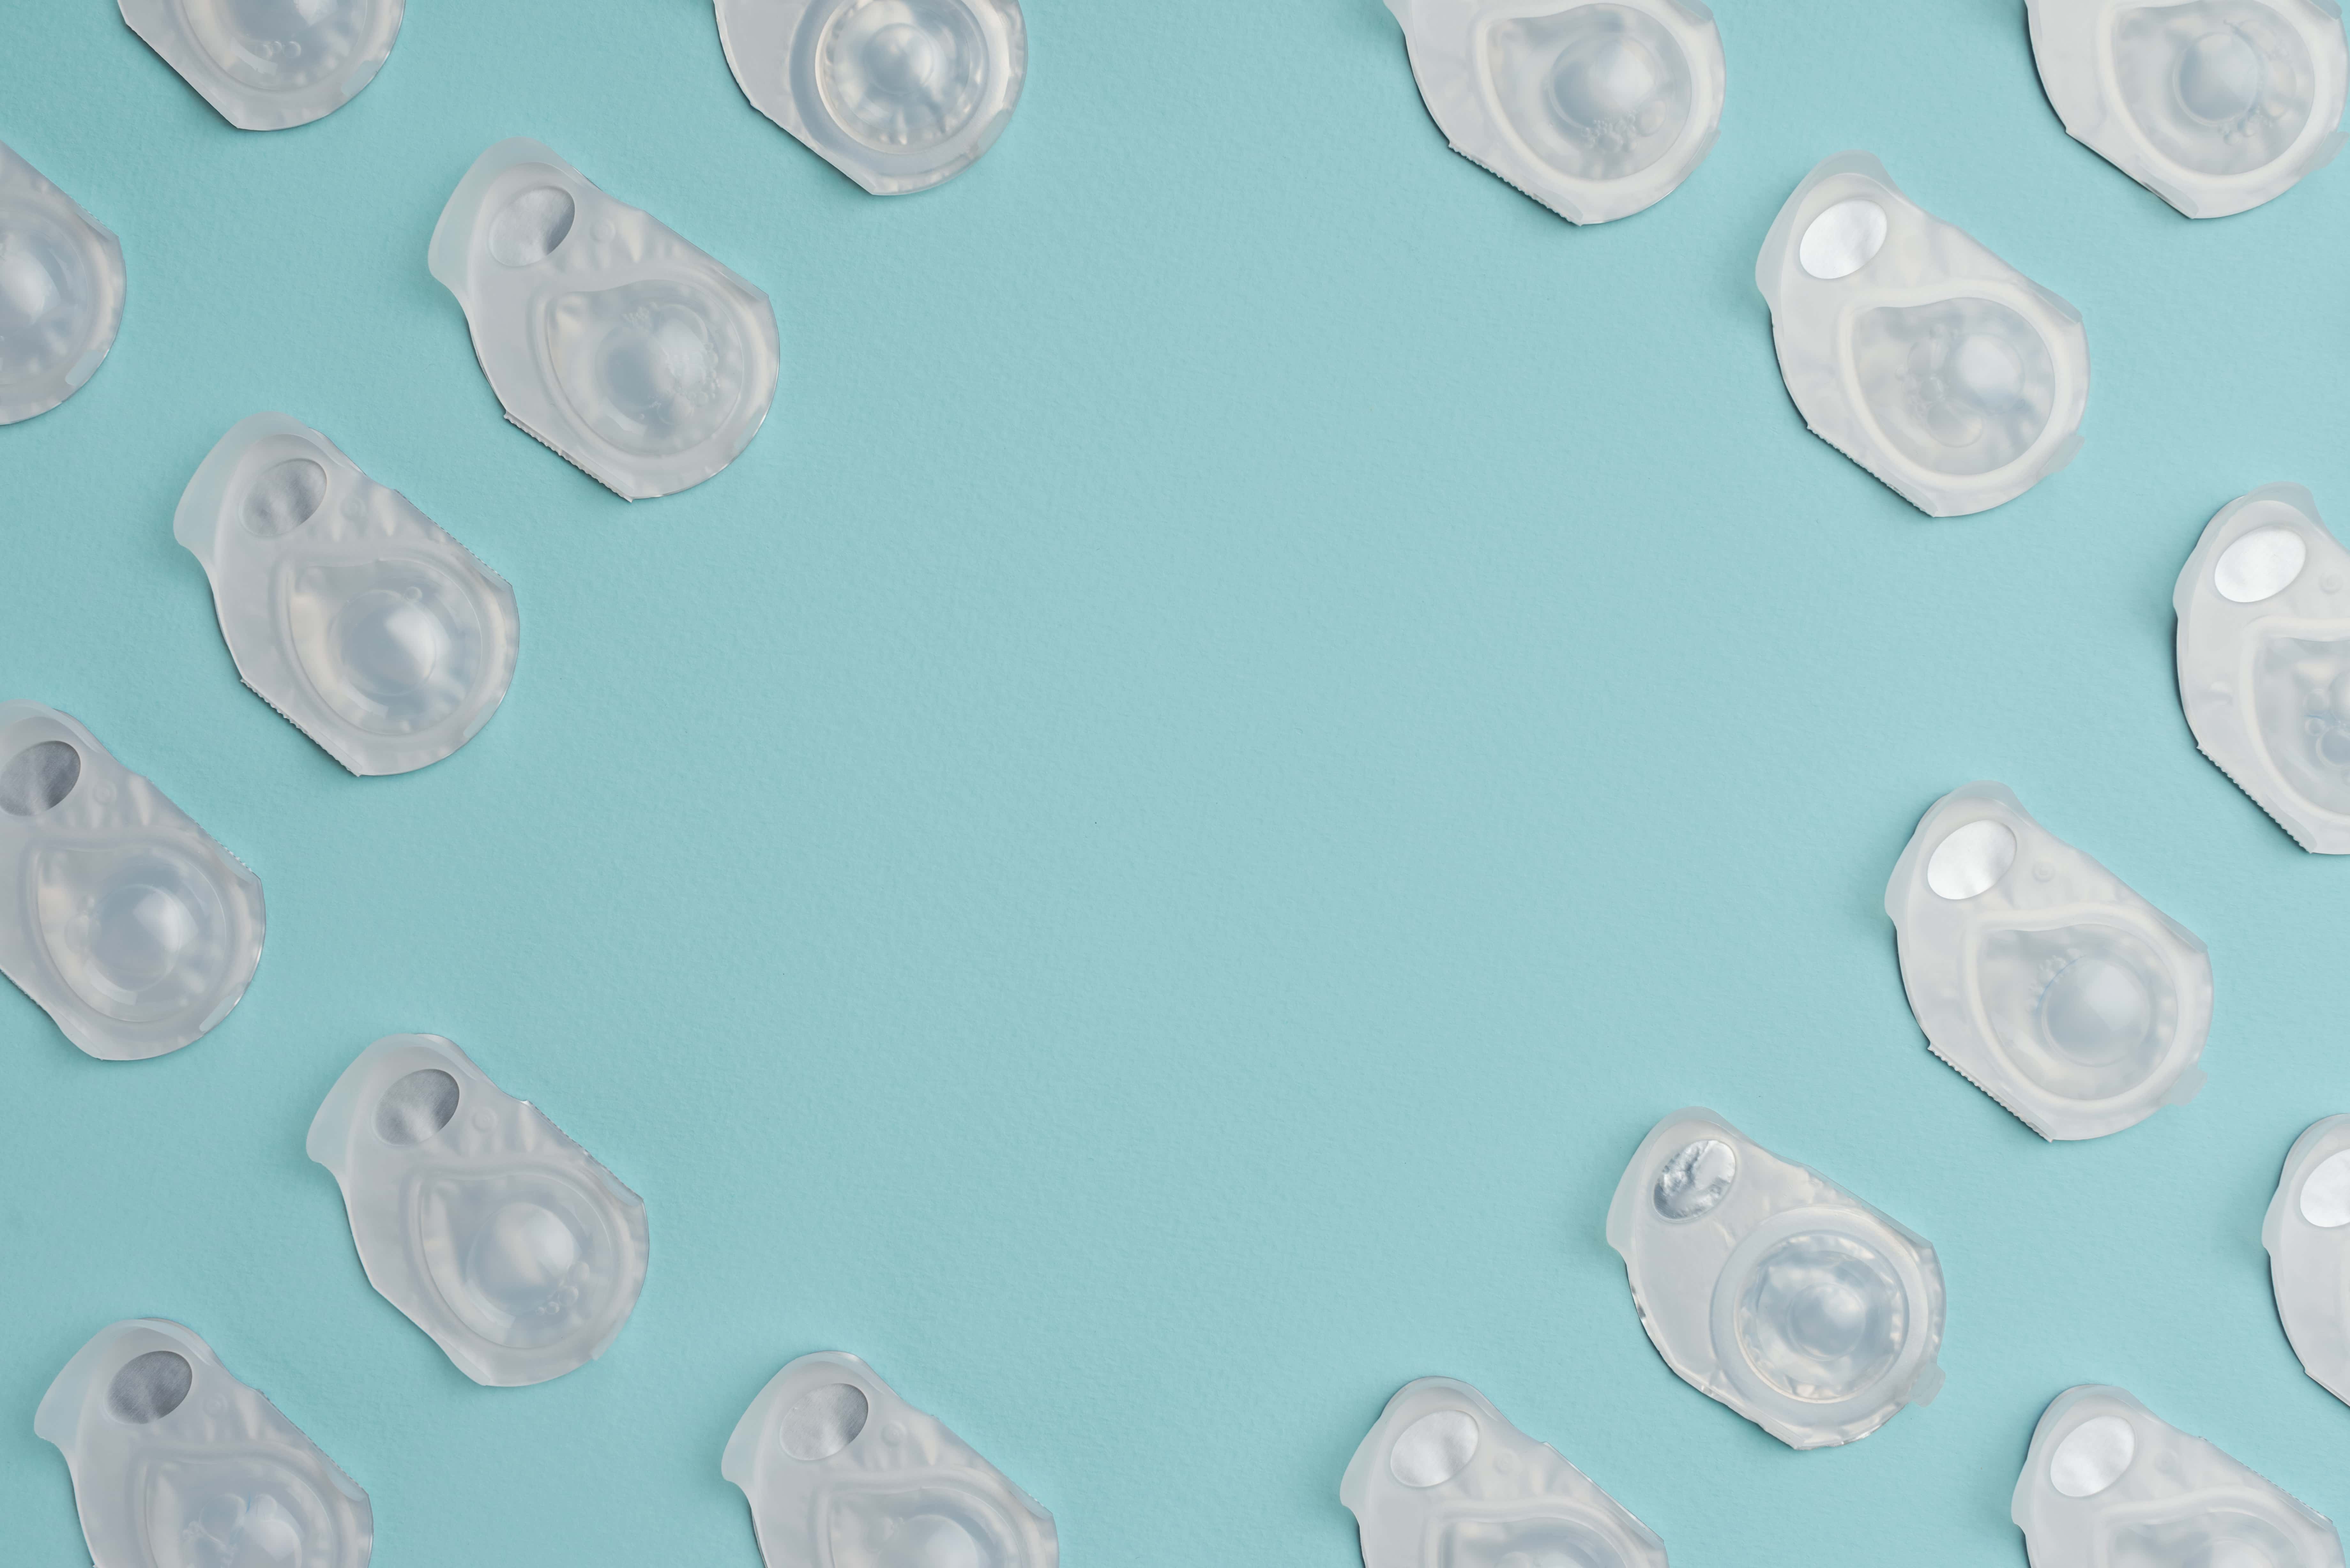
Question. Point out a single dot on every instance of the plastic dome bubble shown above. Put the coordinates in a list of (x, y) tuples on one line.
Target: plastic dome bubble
[(2039, 975), (2216, 106), (1596, 108), (176, 1462), (898, 95), (61, 286), (1779, 1295), (266, 64), (344, 607), (130, 925), (2265, 659), (498, 1236), (1916, 353), (2307, 1234), (2108, 1481), (839, 1469), (638, 358), (1442, 1477)]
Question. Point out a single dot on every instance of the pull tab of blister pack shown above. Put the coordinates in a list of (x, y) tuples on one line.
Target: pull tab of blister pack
[(269, 64), (61, 286)]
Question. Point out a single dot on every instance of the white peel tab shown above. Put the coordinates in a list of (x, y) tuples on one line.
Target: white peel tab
[(498, 1236), (2039, 975), (1769, 1288), (636, 357), (1443, 1480), (269, 64), (2109, 1482), (2265, 659), (1913, 351), (2307, 1234), (839, 1470), (176, 1464), (2215, 105), (898, 95), (131, 927), (61, 285), (1596, 108), (345, 609)]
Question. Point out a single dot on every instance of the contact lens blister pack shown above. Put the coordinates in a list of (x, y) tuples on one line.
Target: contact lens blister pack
[(839, 1469), (176, 1464), (131, 927), (898, 95), (1769, 1288), (344, 607), (1913, 351), (2107, 1480), (1596, 108), (1443, 1480), (2215, 105), (635, 356), (61, 284), (2307, 1234), (2039, 975), (266, 64), (498, 1236), (2265, 659)]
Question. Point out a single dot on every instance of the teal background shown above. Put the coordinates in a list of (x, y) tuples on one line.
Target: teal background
[(1261, 709)]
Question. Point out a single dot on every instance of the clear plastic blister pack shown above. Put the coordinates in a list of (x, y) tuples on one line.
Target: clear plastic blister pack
[(2215, 105), (61, 286), (344, 607), (636, 357), (176, 1464), (2109, 1482), (2265, 659), (1769, 1288), (266, 64), (131, 927), (1913, 351), (2039, 975), (1596, 108), (498, 1236), (2307, 1234), (1443, 1480), (839, 1469), (898, 95)]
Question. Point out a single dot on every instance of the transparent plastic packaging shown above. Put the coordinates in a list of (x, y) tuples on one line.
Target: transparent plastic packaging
[(2109, 1482), (1596, 108), (2039, 976), (635, 357), (1443, 1480), (267, 64), (838, 1469), (131, 927), (498, 1236), (898, 95), (345, 609), (61, 285), (2307, 1234), (1913, 351), (2215, 105), (176, 1464), (1769, 1288), (2265, 659)]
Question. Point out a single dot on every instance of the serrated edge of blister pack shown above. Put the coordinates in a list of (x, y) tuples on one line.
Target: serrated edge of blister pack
[(566, 457), (1994, 1095)]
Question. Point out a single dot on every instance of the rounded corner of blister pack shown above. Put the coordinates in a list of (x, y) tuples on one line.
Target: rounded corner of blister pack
[(2306, 1233), (270, 67), (62, 285)]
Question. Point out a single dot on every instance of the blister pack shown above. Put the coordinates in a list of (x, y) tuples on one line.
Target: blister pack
[(2039, 975), (176, 1464), (2307, 1234), (1769, 1288), (898, 95), (269, 64), (498, 1236), (1913, 351), (839, 1469), (636, 357), (61, 285), (1443, 1480)]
